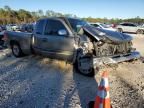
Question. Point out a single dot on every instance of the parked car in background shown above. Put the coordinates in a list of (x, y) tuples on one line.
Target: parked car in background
[(12, 27), (130, 27), (111, 25), (15, 27), (142, 25), (1, 36), (27, 27), (103, 26), (2, 28)]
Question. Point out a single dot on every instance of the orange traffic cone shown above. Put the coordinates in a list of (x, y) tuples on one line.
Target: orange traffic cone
[(103, 99)]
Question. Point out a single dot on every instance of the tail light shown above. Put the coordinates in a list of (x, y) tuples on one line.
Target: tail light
[(114, 25)]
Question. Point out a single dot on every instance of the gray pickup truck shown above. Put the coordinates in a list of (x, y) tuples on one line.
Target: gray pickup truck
[(75, 41)]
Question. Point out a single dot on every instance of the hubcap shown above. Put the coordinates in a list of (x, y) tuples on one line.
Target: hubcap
[(140, 32), (84, 65)]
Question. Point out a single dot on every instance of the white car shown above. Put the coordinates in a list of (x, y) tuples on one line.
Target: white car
[(103, 26), (142, 25), (130, 27)]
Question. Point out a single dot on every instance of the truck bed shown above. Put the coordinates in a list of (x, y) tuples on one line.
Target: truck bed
[(22, 38)]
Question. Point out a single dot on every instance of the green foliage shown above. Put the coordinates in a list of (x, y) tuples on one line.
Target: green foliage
[(10, 16), (137, 20)]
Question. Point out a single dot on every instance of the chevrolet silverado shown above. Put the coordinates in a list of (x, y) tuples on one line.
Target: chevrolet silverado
[(75, 41)]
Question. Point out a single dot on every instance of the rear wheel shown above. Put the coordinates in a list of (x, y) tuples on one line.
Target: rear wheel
[(120, 30), (16, 50), (140, 31), (84, 65)]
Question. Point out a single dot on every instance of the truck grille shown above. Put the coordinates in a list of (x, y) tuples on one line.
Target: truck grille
[(107, 49)]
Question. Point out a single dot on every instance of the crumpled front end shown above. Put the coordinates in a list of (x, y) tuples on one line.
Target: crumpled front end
[(99, 61), (110, 47)]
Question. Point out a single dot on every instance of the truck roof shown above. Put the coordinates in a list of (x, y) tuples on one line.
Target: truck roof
[(58, 18)]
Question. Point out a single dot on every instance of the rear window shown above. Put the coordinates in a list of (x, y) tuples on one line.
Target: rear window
[(124, 24), (40, 26), (133, 25), (128, 24)]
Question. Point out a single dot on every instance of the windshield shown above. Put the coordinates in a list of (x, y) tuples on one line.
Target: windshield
[(77, 23), (104, 26)]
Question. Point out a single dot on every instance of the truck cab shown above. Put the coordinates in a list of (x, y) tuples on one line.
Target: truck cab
[(52, 37)]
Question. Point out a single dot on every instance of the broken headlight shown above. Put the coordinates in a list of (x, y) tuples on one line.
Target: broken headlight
[(85, 47)]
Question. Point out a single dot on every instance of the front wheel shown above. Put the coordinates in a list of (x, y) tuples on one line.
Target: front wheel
[(120, 30), (16, 50), (140, 31), (84, 65)]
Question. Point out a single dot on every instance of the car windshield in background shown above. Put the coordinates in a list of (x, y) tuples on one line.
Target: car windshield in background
[(77, 23), (104, 26)]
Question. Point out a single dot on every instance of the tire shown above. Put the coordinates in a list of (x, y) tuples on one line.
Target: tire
[(140, 31), (82, 68), (120, 30), (16, 50)]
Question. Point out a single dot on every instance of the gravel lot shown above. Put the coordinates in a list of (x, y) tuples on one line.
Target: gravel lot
[(37, 82)]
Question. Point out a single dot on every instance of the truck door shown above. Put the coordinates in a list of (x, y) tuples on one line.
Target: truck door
[(125, 27), (54, 44), (38, 35), (132, 27), (128, 27)]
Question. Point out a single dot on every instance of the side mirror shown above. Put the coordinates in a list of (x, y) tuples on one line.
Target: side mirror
[(62, 32)]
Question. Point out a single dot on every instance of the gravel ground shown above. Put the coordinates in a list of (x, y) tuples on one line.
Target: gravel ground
[(138, 43), (38, 82)]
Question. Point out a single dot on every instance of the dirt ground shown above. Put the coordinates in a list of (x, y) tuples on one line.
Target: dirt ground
[(37, 82), (138, 43)]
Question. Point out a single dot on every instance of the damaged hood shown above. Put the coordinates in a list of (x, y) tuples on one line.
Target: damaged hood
[(100, 34)]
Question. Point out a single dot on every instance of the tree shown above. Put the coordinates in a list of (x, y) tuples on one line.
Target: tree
[(40, 13), (7, 8), (9, 16)]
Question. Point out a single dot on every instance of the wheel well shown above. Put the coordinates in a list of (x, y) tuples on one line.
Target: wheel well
[(120, 29), (13, 42), (140, 29)]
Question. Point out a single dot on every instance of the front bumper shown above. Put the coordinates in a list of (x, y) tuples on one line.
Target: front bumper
[(115, 59)]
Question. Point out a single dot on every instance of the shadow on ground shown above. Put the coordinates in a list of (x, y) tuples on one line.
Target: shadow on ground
[(32, 81)]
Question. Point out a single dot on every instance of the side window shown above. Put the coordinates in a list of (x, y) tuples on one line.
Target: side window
[(129, 24), (133, 25), (39, 26), (53, 26), (124, 24), (96, 25)]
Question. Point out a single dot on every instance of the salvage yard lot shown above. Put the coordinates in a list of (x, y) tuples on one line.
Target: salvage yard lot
[(38, 82)]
